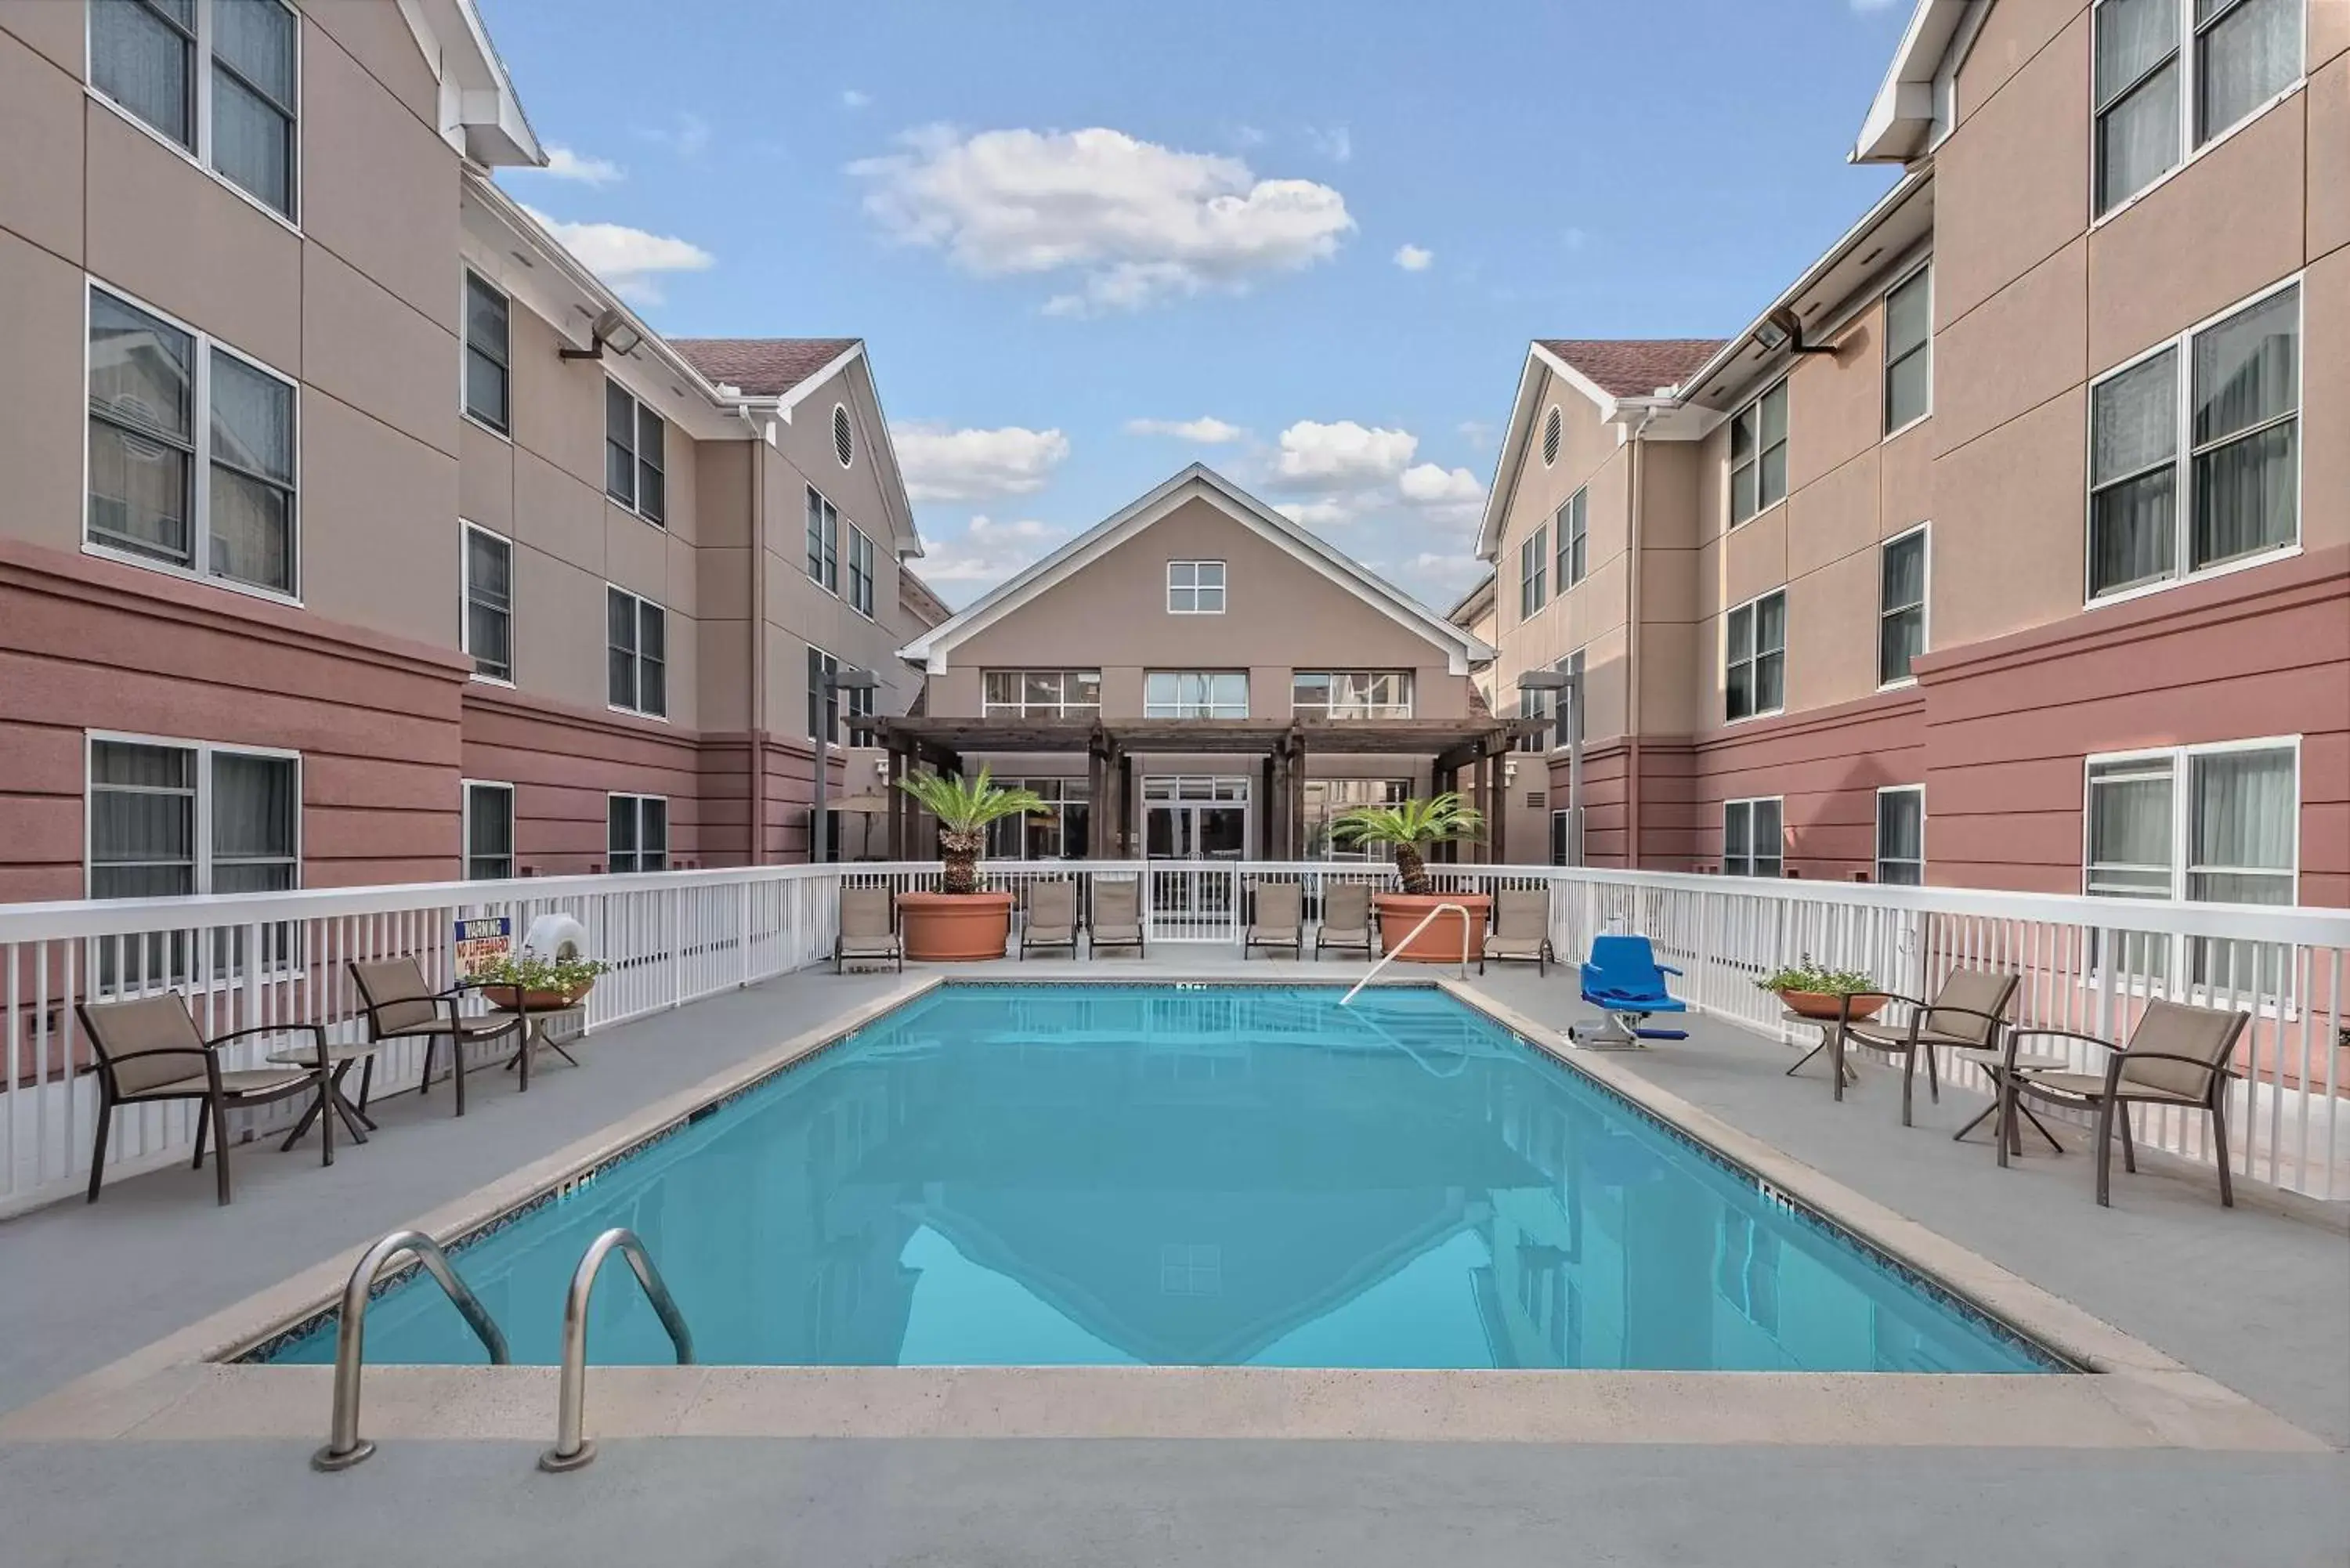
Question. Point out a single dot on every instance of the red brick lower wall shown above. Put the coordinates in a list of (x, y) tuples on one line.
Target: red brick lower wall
[(564, 761)]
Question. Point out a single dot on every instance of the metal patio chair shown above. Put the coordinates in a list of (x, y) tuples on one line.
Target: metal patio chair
[(867, 931), (400, 1004), (1965, 1017), (1346, 923), (1051, 919), (1116, 915), (1277, 917), (1522, 927)]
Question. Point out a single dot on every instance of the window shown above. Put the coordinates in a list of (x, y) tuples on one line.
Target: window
[(172, 818), (1534, 569), (1753, 842), (1056, 830), (844, 435), (1351, 694), (1545, 706), (486, 356), (1901, 835), (489, 831), (1041, 693), (2233, 54), (860, 571), (1551, 430), (191, 450), (2237, 841), (1900, 607), (1909, 350), (1755, 677), (1191, 694), (1195, 587), (1575, 539), (636, 834), (638, 648), (823, 542), (1758, 456), (489, 603), (1328, 799), (237, 117), (636, 442), (2214, 417)]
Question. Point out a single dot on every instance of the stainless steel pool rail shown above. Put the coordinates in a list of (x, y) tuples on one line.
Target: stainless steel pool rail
[(345, 1446), (1468, 933), (572, 1450)]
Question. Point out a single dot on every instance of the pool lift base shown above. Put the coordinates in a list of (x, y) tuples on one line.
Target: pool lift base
[(1618, 1031)]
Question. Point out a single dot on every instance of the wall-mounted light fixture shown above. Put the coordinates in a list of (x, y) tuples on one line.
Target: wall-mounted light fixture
[(611, 330), (1783, 326)]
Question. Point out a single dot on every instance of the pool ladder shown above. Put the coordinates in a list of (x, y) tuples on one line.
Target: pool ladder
[(345, 1446), (1468, 935)]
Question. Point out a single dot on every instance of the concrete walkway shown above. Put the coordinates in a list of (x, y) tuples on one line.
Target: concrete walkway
[(2258, 1298)]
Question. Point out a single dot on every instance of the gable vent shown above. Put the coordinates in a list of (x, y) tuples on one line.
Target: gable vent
[(1550, 439), (844, 439)]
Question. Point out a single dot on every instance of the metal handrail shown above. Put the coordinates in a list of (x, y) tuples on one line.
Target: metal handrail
[(1467, 930), (345, 1446), (572, 1450)]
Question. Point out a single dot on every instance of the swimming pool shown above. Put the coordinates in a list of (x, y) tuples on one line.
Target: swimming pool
[(1207, 1174)]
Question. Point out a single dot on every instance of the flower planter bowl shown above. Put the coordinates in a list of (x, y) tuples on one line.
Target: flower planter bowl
[(954, 928), (1826, 1006), (1440, 942), (512, 999)]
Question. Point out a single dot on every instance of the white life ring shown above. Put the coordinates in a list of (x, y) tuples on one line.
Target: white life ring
[(555, 936)]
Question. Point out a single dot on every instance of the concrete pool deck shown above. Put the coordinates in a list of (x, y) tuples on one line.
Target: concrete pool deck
[(83, 1290)]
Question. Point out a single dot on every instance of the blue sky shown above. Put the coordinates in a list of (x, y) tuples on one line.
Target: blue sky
[(1088, 241)]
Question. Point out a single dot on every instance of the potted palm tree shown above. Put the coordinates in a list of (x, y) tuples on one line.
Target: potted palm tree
[(1408, 827), (960, 921)]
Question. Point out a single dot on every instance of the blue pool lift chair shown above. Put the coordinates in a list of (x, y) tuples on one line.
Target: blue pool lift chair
[(1623, 978)]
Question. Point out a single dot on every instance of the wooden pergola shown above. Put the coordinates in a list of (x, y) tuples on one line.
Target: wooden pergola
[(1477, 746)]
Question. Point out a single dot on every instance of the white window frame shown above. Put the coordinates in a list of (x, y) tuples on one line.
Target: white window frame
[(1533, 572), (199, 152), (2182, 457), (204, 751), (1878, 861), (860, 594), (513, 846), (1199, 588), (1750, 802), (1382, 711), (200, 503), (2190, 148), (1574, 563), (1753, 405), (1755, 656), (1023, 708), (466, 528), (1576, 664), (1925, 604), (637, 803), (1925, 270), (643, 604), (821, 556), (639, 412), (470, 276), (1183, 709)]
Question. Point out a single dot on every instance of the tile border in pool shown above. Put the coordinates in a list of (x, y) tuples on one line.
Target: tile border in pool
[(187, 1387)]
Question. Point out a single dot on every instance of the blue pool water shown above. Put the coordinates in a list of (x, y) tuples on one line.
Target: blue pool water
[(1023, 1175)]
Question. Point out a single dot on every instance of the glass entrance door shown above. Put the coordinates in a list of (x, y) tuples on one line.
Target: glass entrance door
[(1189, 822)]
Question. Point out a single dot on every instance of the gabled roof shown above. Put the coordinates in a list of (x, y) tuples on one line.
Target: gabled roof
[(1632, 367), (1906, 118), (481, 114), (1200, 483), (918, 599), (766, 367)]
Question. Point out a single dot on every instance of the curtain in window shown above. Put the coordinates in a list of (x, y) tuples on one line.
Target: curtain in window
[(489, 832), (485, 353), (489, 604), (620, 832), (620, 638), (139, 61), (652, 835), (253, 476), (253, 97), (2241, 832), (2129, 831), (2138, 134), (619, 444), (142, 821), (2245, 60), (652, 658), (2133, 446), (143, 430), (255, 807), (2247, 377)]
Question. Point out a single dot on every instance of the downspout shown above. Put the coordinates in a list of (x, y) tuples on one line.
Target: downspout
[(1634, 467), (757, 641)]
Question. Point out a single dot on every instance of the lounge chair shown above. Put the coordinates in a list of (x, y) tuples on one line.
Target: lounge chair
[(1965, 1016), (1346, 919), (1522, 928), (1116, 915), (1623, 978), (400, 1005), (1277, 911), (2178, 1055), (868, 934), (149, 1050), (1051, 918)]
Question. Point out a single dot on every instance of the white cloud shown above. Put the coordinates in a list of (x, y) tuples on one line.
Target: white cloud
[(944, 464), (1135, 222), (852, 98), (1866, 6), (1478, 433), (1413, 258), (1450, 496), (1336, 143), (1340, 456), (964, 565), (633, 261), (1206, 431), (1317, 515), (562, 163), (688, 135), (1437, 578)]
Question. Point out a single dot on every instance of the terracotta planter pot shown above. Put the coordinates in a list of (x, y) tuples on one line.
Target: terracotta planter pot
[(1825, 1006), (504, 998), (954, 928), (1440, 943)]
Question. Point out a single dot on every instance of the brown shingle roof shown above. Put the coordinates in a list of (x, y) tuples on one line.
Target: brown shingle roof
[(762, 366), (1633, 367)]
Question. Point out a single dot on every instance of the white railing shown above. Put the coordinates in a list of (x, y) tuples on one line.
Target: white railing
[(2088, 964)]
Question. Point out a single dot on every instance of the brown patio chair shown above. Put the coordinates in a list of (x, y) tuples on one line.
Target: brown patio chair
[(1051, 918), (1966, 1015), (1522, 928), (2178, 1055), (400, 1005), (1277, 918), (867, 933), (149, 1050), (1346, 919), (1116, 915)]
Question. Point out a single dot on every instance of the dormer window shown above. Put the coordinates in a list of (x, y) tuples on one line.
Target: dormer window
[(1195, 587)]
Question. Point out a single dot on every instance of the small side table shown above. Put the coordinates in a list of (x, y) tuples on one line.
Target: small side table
[(340, 1060), (1832, 1042), (535, 1020)]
